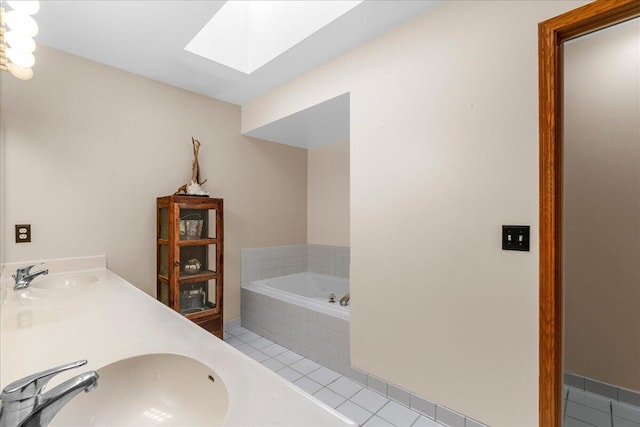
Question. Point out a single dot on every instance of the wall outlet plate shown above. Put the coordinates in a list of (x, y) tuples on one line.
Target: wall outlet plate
[(23, 233), (515, 237)]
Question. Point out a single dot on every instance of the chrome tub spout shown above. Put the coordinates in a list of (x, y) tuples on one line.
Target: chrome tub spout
[(344, 301)]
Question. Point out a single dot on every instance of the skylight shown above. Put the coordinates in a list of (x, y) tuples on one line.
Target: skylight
[(245, 34)]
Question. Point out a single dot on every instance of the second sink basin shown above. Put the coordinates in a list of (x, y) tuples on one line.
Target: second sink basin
[(150, 390), (64, 282)]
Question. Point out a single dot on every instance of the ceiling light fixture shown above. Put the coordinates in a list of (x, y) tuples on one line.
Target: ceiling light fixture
[(17, 29)]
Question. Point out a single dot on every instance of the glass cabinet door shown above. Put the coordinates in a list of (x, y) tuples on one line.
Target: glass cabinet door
[(163, 219), (163, 255), (198, 296), (197, 268), (197, 224)]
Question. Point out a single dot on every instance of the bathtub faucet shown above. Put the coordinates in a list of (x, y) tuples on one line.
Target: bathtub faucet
[(23, 276), (25, 405), (344, 301)]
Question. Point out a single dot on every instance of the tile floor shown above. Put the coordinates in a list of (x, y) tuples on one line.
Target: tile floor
[(365, 406), (584, 409)]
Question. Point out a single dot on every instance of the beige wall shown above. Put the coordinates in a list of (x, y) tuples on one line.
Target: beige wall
[(89, 148), (444, 150), (3, 191), (328, 195), (602, 206)]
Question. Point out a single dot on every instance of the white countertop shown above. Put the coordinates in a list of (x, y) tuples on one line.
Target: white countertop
[(112, 320)]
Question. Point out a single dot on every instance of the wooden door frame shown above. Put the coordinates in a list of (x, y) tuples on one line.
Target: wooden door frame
[(551, 36)]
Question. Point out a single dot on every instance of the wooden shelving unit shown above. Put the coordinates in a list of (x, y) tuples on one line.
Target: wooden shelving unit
[(191, 228)]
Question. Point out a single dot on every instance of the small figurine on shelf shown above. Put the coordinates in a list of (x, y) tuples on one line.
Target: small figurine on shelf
[(192, 266), (193, 188)]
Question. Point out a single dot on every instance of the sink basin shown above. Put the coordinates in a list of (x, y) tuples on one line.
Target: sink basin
[(64, 282), (150, 390)]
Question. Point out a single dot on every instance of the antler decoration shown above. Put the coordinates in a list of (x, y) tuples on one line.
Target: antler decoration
[(193, 188)]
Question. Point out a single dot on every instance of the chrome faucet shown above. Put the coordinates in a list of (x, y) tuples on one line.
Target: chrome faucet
[(344, 301), (23, 276), (25, 405)]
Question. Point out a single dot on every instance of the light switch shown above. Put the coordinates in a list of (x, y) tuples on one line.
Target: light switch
[(515, 237)]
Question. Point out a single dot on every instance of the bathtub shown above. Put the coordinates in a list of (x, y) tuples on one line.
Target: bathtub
[(309, 290), (294, 311)]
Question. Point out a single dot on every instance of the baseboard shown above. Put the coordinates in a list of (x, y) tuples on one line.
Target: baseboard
[(609, 391)]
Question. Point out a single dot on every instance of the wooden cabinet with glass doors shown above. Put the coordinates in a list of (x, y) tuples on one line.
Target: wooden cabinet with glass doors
[(190, 246)]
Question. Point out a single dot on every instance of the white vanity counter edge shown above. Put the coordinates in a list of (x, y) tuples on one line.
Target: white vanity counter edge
[(111, 320)]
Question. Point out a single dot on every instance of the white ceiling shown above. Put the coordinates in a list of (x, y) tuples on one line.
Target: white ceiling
[(148, 37), (323, 124)]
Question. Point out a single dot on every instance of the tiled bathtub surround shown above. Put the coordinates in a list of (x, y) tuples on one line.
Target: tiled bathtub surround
[(317, 336), (274, 261), (330, 260)]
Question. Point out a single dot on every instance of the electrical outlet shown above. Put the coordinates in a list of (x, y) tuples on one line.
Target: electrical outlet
[(515, 238), (23, 233)]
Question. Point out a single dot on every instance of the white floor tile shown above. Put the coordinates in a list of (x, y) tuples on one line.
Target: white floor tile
[(245, 348), (249, 336), (355, 412), (369, 400), (238, 331), (425, 422), (305, 366), (261, 343), (589, 399), (258, 356), (623, 422), (288, 357), (398, 415), (587, 414), (629, 412), (324, 376), (308, 385), (274, 350), (289, 374), (234, 341), (273, 364), (329, 397), (345, 387), (572, 422), (376, 421), (363, 403)]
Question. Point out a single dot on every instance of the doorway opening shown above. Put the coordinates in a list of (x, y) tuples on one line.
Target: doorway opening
[(552, 34)]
